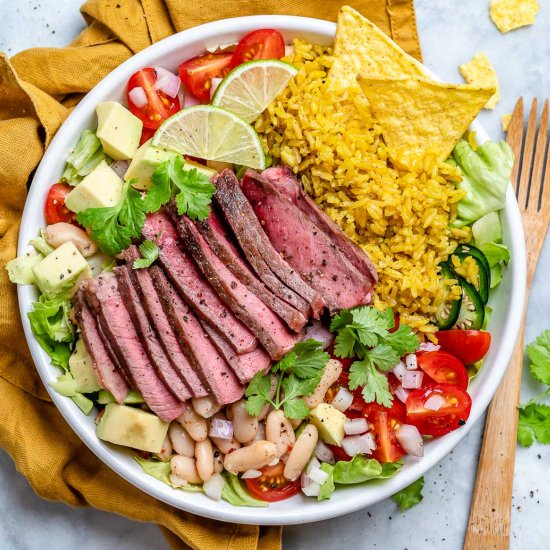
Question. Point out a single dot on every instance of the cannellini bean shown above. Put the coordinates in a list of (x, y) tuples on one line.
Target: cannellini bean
[(166, 451), (181, 441), (226, 445), (245, 426), (301, 452), (204, 455), (205, 406), (195, 425), (61, 232), (253, 457), (332, 372), (218, 461), (272, 389), (260, 434), (185, 468), (279, 431)]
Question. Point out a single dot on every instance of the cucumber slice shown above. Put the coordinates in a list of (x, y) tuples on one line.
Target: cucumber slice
[(472, 308), (447, 312)]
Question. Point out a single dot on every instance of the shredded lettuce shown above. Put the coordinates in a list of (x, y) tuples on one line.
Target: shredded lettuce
[(161, 470), (20, 269), (87, 154)]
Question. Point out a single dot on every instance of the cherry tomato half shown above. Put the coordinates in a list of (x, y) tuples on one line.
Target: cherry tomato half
[(387, 446), (54, 209), (339, 453), (453, 412), (272, 486), (443, 368), (146, 135), (259, 44), (159, 105), (469, 346), (197, 73)]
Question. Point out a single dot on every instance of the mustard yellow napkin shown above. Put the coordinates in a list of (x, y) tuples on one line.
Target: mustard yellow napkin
[(38, 88)]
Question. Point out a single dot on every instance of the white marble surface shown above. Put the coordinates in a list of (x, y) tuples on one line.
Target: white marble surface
[(450, 35)]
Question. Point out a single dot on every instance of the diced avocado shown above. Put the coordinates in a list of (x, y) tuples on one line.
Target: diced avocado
[(143, 164), (80, 365), (20, 269), (132, 427), (101, 187), (330, 423), (61, 269), (487, 229), (118, 129)]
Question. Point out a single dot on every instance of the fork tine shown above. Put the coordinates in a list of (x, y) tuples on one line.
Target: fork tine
[(545, 193), (527, 161), (538, 160), (514, 139)]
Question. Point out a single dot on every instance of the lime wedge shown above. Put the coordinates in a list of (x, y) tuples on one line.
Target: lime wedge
[(211, 133), (248, 89)]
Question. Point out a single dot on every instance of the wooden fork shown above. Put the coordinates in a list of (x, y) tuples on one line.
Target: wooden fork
[(489, 523)]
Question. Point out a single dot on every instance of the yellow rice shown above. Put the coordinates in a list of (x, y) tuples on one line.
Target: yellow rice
[(401, 219)]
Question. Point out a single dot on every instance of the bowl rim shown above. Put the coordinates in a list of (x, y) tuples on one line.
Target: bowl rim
[(286, 512)]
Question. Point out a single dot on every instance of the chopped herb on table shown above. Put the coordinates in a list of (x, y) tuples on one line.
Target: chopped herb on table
[(410, 496)]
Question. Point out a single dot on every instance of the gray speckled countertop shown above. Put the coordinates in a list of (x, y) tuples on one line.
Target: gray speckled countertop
[(450, 35)]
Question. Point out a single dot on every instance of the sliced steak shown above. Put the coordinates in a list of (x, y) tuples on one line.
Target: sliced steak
[(218, 375), (157, 316), (192, 286), (273, 270), (105, 300), (306, 247), (107, 373), (149, 338), (246, 365), (216, 234), (284, 180)]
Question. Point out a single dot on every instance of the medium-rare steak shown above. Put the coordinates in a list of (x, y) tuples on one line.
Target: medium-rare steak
[(192, 286), (306, 247), (217, 374), (104, 298)]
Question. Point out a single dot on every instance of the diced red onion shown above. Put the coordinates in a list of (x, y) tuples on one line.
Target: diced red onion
[(318, 331), (167, 82), (399, 370), (138, 97), (413, 379), (428, 346), (342, 400), (251, 474), (120, 167), (410, 439), (356, 426), (323, 453), (434, 403), (189, 99), (318, 476), (358, 444), (214, 83), (289, 49), (309, 487), (220, 428), (401, 393), (312, 464), (214, 486), (410, 361)]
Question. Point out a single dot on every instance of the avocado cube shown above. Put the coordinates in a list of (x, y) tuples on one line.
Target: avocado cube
[(143, 164), (101, 187), (80, 365), (132, 427), (118, 130), (330, 423)]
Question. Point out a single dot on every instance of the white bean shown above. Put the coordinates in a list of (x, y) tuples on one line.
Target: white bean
[(332, 372), (166, 451), (272, 389), (260, 434), (181, 441), (301, 452), (206, 406), (245, 426), (218, 461), (253, 457), (226, 445), (185, 468), (61, 232), (279, 431), (204, 454), (195, 425)]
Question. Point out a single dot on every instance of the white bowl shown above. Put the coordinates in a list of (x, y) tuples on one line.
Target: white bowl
[(507, 302)]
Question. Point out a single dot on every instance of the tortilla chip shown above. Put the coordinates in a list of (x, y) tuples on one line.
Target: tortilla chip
[(420, 117), (360, 47), (508, 15), (480, 72), (505, 121)]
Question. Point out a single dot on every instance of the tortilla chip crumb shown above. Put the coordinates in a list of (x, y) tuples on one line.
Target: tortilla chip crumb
[(505, 120), (480, 72), (508, 15)]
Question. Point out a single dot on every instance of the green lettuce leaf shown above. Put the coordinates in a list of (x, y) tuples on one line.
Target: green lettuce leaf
[(328, 487), (410, 495), (20, 269), (87, 154), (357, 470), (161, 470)]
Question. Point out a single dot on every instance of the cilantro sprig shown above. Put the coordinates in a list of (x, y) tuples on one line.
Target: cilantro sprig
[(364, 333), (299, 373), (149, 252)]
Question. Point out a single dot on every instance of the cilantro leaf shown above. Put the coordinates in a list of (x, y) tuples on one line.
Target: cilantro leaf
[(343, 319), (375, 384), (370, 324), (295, 408), (160, 191), (194, 193), (403, 340), (257, 393), (149, 251), (539, 355), (310, 359), (344, 343), (294, 389), (534, 423), (285, 363), (383, 357), (409, 496)]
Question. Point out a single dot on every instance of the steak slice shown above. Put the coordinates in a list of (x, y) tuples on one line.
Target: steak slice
[(200, 350), (192, 286), (262, 322), (149, 339), (284, 180), (246, 365), (157, 316), (306, 247), (107, 373), (104, 298), (216, 234), (273, 270)]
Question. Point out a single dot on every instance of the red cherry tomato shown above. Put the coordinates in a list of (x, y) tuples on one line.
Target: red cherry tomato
[(55, 210), (396, 412), (387, 446), (453, 412), (272, 486), (146, 135), (260, 44), (443, 368), (159, 105), (339, 453), (197, 73), (469, 346)]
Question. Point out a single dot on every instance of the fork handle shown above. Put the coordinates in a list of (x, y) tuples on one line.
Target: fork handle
[(489, 523)]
